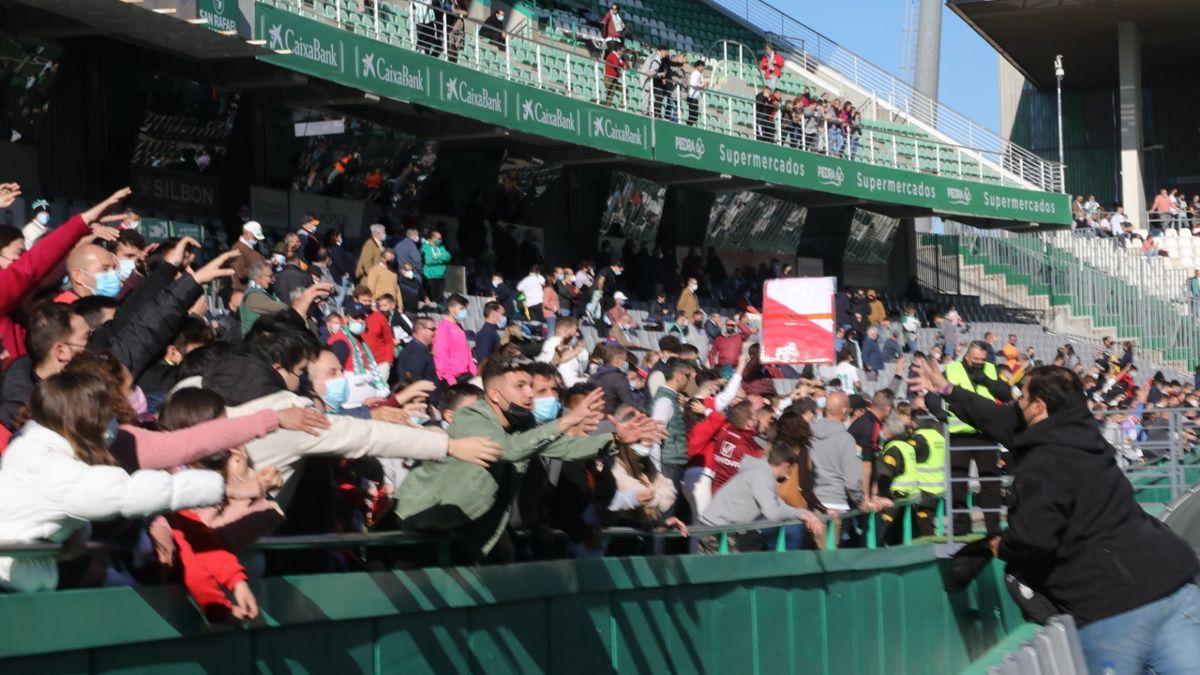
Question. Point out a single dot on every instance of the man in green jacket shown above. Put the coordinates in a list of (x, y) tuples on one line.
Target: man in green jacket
[(476, 501), (435, 257)]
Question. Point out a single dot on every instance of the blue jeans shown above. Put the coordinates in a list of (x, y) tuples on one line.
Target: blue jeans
[(1160, 637)]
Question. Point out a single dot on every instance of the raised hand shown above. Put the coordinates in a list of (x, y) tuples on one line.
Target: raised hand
[(8, 194), (309, 420), (215, 268), (176, 255), (474, 450), (638, 429), (589, 412)]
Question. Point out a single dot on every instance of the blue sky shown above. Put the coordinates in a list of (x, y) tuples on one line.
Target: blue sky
[(873, 30)]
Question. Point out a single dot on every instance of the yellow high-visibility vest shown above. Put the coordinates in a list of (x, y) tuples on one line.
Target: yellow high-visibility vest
[(956, 373)]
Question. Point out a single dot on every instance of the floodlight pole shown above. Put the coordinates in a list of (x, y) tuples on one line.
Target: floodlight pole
[(1058, 74)]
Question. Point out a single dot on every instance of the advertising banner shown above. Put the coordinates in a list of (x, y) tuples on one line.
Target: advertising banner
[(798, 320), (176, 191), (387, 70), (696, 148)]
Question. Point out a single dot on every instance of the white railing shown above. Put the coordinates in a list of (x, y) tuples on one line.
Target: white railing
[(810, 49), (530, 61)]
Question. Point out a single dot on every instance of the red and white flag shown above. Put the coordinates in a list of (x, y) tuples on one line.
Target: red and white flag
[(798, 320)]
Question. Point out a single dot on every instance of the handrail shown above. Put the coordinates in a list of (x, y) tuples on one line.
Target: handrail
[(899, 94), (721, 111), (39, 549)]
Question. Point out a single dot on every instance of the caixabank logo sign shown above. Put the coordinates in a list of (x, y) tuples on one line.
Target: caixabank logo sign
[(459, 90), (604, 127), (281, 37), (545, 114), (373, 66)]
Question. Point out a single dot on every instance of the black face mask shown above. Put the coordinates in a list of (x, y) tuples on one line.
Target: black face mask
[(975, 371), (519, 419)]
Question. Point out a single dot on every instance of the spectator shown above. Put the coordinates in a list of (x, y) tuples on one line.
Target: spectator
[(378, 335), (487, 340), (367, 380), (408, 250), (688, 301), (622, 325), (372, 251), (410, 288), (493, 30), (614, 27), (451, 353), (1193, 288), (751, 495), (448, 495), (695, 92), (837, 467), (381, 279), (876, 314), (766, 104), (1010, 351), (726, 348), (58, 474), (989, 343), (293, 277), (416, 360), (771, 67), (611, 378), (867, 431), (910, 325), (892, 349), (39, 223), (565, 351), (435, 257), (56, 334), (872, 354), (1161, 211), (532, 289), (672, 454), (615, 66)]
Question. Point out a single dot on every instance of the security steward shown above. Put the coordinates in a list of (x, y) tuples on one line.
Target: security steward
[(968, 445), (912, 465)]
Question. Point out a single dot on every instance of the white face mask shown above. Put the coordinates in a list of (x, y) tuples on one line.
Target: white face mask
[(641, 450)]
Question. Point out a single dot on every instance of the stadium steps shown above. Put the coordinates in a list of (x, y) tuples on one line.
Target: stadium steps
[(993, 281)]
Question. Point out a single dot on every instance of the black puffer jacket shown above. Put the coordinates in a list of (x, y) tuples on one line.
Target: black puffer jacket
[(148, 320), (1076, 533)]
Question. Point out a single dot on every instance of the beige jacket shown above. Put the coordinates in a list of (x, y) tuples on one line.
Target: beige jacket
[(348, 437)]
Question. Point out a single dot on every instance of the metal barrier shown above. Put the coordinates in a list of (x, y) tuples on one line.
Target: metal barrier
[(1156, 461), (810, 49), (533, 62), (1055, 278), (1054, 649)]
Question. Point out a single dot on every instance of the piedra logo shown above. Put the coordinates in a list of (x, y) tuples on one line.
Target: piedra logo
[(544, 114), (960, 196), (312, 49), (377, 67), (692, 148), (829, 175)]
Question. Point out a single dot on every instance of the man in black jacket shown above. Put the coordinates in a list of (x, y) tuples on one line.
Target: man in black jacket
[(1076, 533)]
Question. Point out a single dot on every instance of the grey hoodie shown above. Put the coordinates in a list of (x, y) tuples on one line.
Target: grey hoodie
[(749, 496), (837, 469)]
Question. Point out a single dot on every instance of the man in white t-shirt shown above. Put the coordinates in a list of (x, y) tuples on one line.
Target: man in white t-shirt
[(695, 90), (565, 350), (847, 372), (533, 288)]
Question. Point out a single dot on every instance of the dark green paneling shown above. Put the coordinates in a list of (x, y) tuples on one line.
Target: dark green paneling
[(800, 613)]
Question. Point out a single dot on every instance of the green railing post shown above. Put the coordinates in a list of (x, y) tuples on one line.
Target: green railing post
[(871, 529), (907, 527), (724, 545), (939, 526), (831, 542), (781, 541)]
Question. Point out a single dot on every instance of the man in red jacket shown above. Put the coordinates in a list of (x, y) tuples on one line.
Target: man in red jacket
[(735, 440), (727, 348), (771, 65), (43, 262), (379, 337), (614, 64)]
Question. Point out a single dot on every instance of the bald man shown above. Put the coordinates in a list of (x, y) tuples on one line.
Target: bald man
[(837, 471), (91, 270)]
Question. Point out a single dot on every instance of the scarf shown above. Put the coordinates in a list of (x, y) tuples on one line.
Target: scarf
[(357, 355)]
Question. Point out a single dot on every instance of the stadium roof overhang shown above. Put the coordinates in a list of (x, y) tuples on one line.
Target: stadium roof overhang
[(1030, 32)]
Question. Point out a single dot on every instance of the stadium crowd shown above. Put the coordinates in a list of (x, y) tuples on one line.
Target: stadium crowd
[(176, 410)]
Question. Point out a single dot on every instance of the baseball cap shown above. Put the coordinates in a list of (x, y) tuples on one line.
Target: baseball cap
[(620, 296), (39, 204), (254, 228)]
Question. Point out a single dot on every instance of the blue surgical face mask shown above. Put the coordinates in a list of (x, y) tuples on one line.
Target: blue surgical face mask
[(546, 409), (108, 284), (43, 217), (337, 391), (419, 420), (357, 327), (461, 315), (502, 322), (110, 432), (125, 268)]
